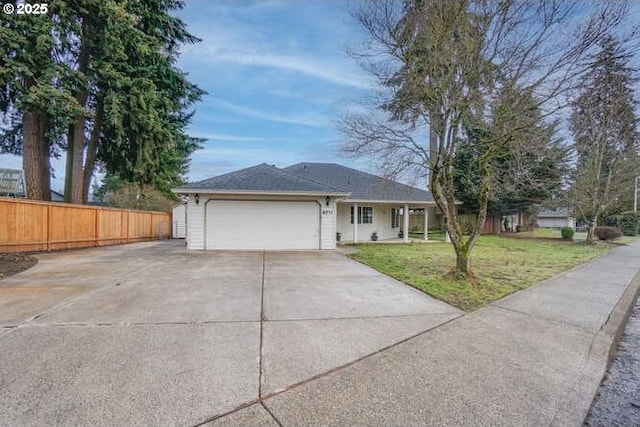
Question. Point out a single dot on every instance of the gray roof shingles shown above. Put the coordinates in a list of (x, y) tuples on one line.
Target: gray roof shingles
[(260, 178), (361, 185), (315, 178)]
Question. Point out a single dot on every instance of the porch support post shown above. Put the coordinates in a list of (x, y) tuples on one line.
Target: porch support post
[(355, 223), (426, 223), (405, 223)]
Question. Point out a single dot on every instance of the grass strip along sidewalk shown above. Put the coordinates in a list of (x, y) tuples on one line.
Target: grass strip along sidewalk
[(501, 266)]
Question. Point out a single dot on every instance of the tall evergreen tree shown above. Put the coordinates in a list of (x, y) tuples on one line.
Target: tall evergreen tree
[(138, 96), (34, 100), (97, 79), (605, 130), (147, 143)]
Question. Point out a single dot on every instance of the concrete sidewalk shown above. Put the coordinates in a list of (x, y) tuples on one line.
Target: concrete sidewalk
[(534, 358)]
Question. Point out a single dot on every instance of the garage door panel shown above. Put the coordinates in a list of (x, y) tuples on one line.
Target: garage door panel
[(262, 225)]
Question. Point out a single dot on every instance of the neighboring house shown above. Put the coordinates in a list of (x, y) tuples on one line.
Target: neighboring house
[(304, 206), (556, 218)]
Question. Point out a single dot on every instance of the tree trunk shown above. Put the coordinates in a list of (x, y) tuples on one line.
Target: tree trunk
[(75, 146), (45, 160), (591, 231), (68, 170), (35, 156), (92, 152), (463, 264)]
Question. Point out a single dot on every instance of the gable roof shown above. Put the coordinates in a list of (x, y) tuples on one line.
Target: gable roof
[(361, 185), (262, 178)]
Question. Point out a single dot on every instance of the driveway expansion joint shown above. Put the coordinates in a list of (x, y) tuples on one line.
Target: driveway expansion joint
[(263, 318), (352, 362), (390, 316), (133, 324), (271, 414)]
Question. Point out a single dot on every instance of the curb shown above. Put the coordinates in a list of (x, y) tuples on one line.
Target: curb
[(576, 406)]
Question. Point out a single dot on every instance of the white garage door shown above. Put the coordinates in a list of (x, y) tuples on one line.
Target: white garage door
[(262, 225)]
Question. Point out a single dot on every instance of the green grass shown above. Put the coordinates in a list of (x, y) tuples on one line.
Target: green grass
[(501, 266)]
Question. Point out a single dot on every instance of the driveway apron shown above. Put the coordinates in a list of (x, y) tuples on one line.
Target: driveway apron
[(150, 334)]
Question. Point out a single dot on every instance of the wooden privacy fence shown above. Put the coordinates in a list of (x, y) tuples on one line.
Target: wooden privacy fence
[(28, 225)]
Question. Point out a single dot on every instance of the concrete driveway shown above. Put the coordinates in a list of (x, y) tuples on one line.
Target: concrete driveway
[(149, 334)]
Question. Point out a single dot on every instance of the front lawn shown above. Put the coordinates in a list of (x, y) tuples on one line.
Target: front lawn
[(501, 265)]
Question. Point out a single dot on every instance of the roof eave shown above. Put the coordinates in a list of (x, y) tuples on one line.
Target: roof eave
[(423, 202), (262, 193)]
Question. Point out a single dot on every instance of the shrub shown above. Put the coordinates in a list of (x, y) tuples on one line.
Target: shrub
[(607, 233), (567, 233), (629, 223), (612, 221), (146, 198)]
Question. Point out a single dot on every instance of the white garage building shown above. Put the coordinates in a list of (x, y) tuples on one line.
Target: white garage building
[(304, 206), (557, 218)]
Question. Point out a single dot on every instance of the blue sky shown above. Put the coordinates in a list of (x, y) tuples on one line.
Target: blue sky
[(277, 76)]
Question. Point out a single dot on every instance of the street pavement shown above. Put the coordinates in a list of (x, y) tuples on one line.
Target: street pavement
[(618, 399)]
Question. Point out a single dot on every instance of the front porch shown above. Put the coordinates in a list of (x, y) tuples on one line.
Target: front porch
[(362, 221)]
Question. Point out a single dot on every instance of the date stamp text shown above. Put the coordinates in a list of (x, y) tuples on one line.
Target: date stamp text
[(22, 8)]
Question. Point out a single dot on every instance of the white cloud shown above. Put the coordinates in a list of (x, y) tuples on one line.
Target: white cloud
[(311, 119), (225, 137), (217, 153), (331, 69)]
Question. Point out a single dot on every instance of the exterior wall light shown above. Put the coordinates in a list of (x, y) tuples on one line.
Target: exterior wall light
[(197, 198), (328, 200)]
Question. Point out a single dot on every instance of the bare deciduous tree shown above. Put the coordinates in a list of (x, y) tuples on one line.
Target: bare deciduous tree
[(443, 64)]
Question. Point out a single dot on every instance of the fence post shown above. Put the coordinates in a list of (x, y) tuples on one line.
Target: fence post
[(95, 228), (48, 227)]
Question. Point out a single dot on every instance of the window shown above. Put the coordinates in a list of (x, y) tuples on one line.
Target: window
[(395, 218), (365, 215)]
